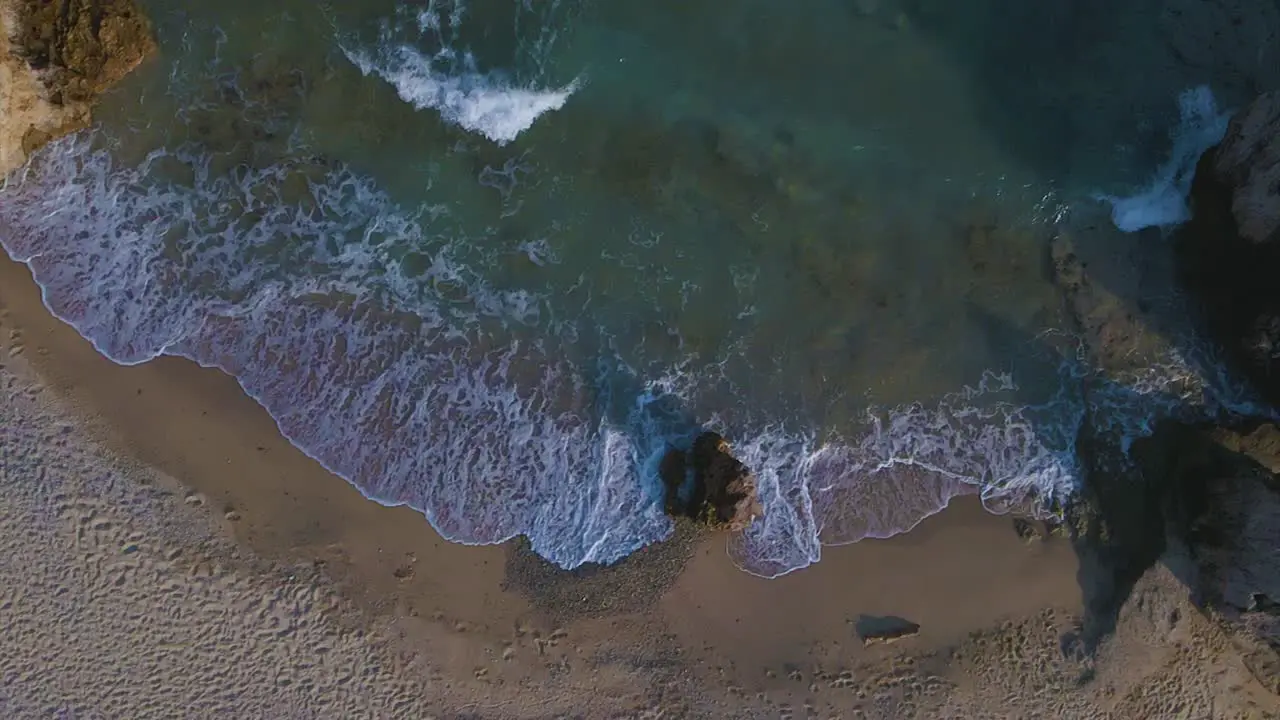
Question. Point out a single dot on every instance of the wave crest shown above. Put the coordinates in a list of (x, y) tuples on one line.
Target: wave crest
[(451, 83)]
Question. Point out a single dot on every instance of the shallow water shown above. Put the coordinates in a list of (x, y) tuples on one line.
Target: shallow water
[(490, 259)]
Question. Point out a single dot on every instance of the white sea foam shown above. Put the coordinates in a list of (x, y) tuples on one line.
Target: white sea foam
[(1163, 202), (451, 83), (449, 405), (903, 465), (482, 103), (423, 406)]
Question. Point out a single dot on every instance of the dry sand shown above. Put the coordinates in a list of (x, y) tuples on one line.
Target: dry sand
[(165, 553)]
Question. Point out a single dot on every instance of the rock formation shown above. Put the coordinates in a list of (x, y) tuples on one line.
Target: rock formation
[(1221, 508), (872, 629), (55, 59), (709, 485), (81, 47), (1228, 255), (1248, 163), (1202, 500), (1110, 327)]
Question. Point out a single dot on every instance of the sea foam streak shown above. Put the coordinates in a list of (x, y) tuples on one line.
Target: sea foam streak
[(451, 83), (1163, 203)]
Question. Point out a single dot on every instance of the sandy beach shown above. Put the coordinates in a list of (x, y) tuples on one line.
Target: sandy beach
[(156, 508), (165, 552)]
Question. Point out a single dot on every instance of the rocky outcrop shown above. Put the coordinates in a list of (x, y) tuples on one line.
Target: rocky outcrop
[(1108, 325), (81, 47), (1204, 501), (872, 629), (1221, 508), (1247, 163), (709, 485), (55, 59), (1228, 255)]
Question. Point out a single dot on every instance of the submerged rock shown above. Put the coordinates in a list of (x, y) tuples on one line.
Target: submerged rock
[(1228, 255), (1111, 328), (709, 485), (1247, 164)]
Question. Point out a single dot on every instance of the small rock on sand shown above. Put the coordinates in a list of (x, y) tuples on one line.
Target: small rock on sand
[(872, 629)]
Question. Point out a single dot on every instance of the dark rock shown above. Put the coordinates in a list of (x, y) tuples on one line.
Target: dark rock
[(1228, 256), (1247, 162), (1118, 524), (1112, 332), (1024, 528), (710, 485), (60, 56), (1221, 507), (724, 490), (81, 47), (873, 629), (1030, 529)]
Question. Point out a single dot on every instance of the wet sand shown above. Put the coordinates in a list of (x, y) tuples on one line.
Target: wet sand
[(197, 425), (474, 636)]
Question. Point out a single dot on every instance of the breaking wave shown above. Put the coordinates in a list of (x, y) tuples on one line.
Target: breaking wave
[(450, 81), (1163, 202)]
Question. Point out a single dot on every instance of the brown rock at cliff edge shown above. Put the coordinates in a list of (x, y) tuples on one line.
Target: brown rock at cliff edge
[(1228, 255), (1222, 523), (81, 47), (723, 494), (1247, 162)]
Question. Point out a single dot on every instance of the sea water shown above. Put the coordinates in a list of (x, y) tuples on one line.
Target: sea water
[(490, 259)]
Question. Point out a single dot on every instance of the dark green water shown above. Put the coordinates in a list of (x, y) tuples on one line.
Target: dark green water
[(491, 259)]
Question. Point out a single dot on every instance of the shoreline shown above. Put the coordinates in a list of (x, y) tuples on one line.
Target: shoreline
[(148, 411), (210, 388), (156, 525), (196, 425), (992, 618)]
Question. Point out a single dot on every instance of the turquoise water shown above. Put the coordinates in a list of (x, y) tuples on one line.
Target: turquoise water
[(490, 259)]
